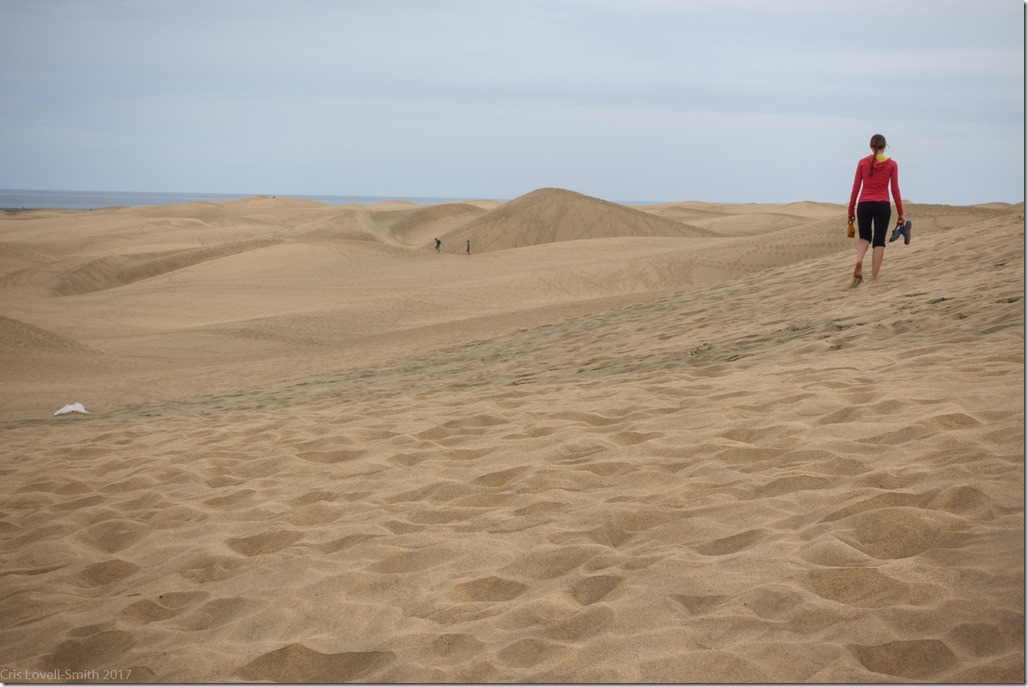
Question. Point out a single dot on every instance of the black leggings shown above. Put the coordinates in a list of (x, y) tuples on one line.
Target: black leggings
[(880, 212)]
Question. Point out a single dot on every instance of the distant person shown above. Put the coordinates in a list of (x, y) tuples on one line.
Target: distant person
[(437, 244), (469, 247), (876, 175)]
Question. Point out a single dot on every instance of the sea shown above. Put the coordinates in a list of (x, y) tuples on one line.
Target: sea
[(20, 199)]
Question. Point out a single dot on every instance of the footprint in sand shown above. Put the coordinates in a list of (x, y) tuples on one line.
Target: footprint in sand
[(162, 607), (609, 469), (298, 663), (919, 659), (703, 604), (889, 533), (500, 478), (488, 589), (869, 588), (101, 649), (146, 612), (344, 543), (266, 542), (707, 666), (330, 456), (582, 446), (591, 622), (553, 561), (412, 561), (106, 572), (530, 652), (313, 496), (76, 504), (788, 485), (216, 613), (589, 590), (732, 544), (966, 501), (454, 647), (890, 500), (114, 535), (213, 570), (980, 639), (233, 499)]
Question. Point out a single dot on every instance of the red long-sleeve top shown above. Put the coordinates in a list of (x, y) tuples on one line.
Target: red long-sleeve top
[(876, 186)]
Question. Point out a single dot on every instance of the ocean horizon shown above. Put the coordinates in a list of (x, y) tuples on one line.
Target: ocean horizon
[(34, 199), (37, 199)]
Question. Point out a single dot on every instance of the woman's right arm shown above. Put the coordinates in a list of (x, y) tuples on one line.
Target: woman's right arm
[(854, 192)]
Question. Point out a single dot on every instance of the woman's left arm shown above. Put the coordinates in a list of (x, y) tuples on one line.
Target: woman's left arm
[(896, 191)]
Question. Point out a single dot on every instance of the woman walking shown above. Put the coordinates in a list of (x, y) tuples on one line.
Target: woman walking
[(876, 175)]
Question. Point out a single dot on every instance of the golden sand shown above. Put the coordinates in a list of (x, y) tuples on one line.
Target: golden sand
[(614, 444)]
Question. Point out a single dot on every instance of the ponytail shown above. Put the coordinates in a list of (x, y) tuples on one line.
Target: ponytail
[(877, 143)]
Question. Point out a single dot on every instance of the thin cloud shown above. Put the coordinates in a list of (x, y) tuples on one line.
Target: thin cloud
[(463, 98)]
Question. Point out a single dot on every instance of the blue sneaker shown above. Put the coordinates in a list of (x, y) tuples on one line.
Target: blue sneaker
[(901, 230)]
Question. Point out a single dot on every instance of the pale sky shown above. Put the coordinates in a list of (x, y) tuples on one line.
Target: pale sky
[(628, 100)]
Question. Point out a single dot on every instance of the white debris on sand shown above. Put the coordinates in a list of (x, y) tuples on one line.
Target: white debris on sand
[(72, 408)]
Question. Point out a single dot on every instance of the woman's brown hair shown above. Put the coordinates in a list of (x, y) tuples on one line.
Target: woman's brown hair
[(877, 143)]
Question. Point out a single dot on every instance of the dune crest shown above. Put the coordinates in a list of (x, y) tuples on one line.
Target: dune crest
[(550, 215), (20, 338)]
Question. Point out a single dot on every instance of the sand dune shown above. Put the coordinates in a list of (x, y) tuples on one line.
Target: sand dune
[(18, 336), (656, 444), (746, 220), (421, 226), (550, 215)]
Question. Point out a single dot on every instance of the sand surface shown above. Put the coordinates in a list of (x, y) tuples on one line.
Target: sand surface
[(665, 443)]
